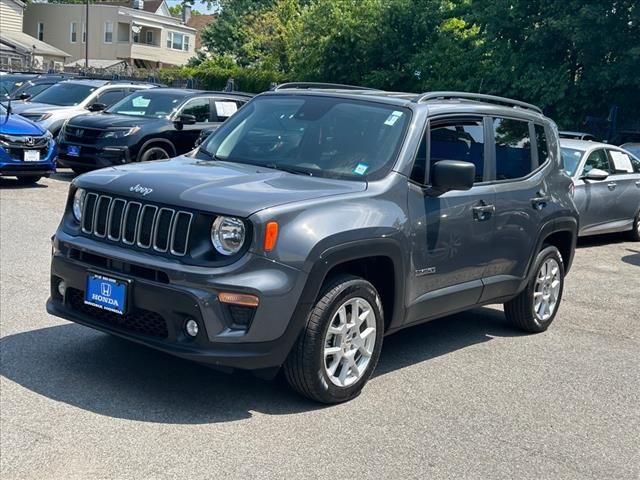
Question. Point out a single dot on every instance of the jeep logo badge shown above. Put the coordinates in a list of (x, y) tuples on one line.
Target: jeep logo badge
[(140, 189)]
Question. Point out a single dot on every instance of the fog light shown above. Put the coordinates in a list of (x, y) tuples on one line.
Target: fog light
[(191, 327), (62, 288)]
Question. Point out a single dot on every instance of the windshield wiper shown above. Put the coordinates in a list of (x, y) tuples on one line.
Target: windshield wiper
[(289, 169)]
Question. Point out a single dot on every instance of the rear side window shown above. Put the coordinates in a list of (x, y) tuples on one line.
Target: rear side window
[(541, 141), (513, 148), (458, 140), (597, 159), (224, 108), (621, 162)]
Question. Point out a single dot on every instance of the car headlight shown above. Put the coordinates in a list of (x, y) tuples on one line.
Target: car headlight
[(78, 203), (120, 132), (228, 235)]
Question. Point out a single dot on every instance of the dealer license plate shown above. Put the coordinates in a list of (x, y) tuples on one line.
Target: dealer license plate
[(106, 293), (73, 150)]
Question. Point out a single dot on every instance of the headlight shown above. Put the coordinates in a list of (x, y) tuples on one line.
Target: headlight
[(120, 132), (78, 203), (227, 235)]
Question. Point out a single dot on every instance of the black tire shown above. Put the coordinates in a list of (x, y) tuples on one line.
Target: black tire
[(635, 233), (28, 180), (521, 310), (154, 153), (80, 170), (304, 368)]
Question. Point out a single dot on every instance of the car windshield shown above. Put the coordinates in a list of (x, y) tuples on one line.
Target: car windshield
[(150, 104), (312, 135), (634, 149), (571, 158), (9, 83), (64, 94)]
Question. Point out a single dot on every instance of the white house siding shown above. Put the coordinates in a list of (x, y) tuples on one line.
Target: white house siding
[(10, 16)]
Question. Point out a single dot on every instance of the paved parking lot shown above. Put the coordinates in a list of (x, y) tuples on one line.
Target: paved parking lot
[(461, 397)]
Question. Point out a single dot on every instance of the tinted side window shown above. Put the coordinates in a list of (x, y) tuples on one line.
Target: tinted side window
[(110, 97), (541, 141), (513, 148), (199, 108), (597, 159), (636, 164), (458, 140)]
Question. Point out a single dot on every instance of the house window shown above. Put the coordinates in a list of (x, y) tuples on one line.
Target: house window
[(178, 41), (84, 33), (149, 37), (108, 32), (40, 31), (74, 32)]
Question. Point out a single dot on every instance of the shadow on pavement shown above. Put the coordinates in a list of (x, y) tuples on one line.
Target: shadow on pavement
[(110, 376), (602, 240), (64, 175), (12, 183), (633, 259)]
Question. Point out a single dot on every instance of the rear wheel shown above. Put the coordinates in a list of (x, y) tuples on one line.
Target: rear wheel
[(154, 153), (534, 309), (338, 350), (28, 180)]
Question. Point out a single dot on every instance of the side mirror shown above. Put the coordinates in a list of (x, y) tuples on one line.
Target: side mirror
[(595, 174), (186, 119), (96, 107), (448, 175), (24, 96)]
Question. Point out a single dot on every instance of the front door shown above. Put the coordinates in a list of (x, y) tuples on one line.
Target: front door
[(595, 199), (201, 108), (451, 233)]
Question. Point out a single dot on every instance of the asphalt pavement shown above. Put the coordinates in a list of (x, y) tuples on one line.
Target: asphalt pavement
[(462, 397)]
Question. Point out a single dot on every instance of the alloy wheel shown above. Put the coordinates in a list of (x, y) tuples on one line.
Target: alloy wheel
[(547, 289)]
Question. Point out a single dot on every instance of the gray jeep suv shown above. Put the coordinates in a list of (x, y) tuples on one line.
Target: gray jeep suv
[(317, 220)]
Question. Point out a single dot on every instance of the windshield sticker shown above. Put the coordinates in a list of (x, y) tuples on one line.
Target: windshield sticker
[(361, 169), (393, 118), (141, 102)]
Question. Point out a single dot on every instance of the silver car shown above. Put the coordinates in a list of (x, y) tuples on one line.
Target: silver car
[(66, 99), (607, 187)]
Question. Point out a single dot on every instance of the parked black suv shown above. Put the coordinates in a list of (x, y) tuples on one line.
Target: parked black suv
[(147, 125), (316, 221)]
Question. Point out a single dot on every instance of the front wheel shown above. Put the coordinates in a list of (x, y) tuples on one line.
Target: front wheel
[(338, 350), (154, 153), (635, 233), (534, 309)]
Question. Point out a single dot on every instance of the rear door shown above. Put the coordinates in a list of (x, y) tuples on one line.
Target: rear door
[(451, 233), (595, 199), (520, 161), (626, 183)]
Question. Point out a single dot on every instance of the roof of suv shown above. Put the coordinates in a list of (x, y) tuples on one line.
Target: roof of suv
[(446, 101)]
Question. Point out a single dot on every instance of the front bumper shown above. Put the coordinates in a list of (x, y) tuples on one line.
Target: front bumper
[(160, 306), (92, 157)]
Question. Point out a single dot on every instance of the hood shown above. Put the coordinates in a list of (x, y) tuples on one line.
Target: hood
[(32, 107), (17, 125), (106, 120), (217, 187)]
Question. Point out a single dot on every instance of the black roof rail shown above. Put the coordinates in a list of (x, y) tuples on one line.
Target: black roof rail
[(478, 97), (318, 86)]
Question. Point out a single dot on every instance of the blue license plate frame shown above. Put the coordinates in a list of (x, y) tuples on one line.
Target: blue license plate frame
[(107, 293)]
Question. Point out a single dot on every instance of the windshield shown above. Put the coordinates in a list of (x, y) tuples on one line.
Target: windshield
[(150, 104), (319, 136), (10, 83), (64, 94), (571, 158)]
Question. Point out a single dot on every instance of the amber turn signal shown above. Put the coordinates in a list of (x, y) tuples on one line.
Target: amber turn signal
[(243, 299), (270, 236)]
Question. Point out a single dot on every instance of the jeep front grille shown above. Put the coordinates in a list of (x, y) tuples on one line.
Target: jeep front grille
[(137, 224)]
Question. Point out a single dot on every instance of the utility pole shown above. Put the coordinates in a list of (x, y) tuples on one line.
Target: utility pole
[(86, 37)]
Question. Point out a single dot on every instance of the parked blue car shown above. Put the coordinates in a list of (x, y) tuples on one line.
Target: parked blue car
[(27, 151)]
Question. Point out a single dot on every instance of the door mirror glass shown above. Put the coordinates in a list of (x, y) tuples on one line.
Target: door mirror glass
[(96, 107), (447, 175), (596, 174)]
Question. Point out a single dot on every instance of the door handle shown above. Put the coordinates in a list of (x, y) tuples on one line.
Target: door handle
[(483, 212), (612, 185), (540, 202)]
